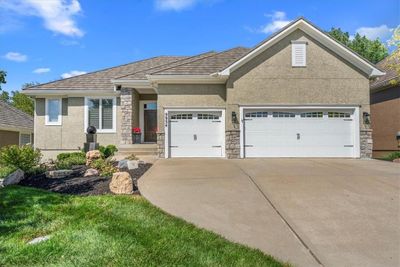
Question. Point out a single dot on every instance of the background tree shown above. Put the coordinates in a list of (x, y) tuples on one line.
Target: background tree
[(393, 61), (373, 50), (17, 99), (23, 102), (5, 96)]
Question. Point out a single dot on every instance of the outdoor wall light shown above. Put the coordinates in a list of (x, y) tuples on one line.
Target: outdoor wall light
[(234, 117), (366, 118)]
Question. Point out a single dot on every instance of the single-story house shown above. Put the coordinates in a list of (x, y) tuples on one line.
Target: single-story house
[(298, 93), (385, 111), (16, 127)]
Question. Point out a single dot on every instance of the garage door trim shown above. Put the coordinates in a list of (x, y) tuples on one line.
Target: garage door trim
[(356, 116), (166, 125)]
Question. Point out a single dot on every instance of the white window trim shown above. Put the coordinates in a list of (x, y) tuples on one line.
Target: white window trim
[(47, 122), (30, 137), (166, 126), (355, 117), (86, 114), (303, 45)]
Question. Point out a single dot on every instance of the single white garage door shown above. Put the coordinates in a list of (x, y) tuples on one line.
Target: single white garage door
[(299, 133), (196, 134)]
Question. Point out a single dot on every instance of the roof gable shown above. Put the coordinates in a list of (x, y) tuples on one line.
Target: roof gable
[(310, 29)]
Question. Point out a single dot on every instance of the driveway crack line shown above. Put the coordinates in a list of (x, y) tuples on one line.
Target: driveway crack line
[(282, 217)]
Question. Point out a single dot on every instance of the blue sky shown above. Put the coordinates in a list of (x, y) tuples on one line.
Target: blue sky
[(44, 40)]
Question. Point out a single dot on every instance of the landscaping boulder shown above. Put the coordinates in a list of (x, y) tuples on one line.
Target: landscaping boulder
[(396, 160), (127, 165), (58, 174), (92, 156), (14, 178), (121, 183), (91, 172)]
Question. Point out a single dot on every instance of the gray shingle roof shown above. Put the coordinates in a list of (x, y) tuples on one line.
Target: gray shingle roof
[(384, 81), (206, 65), (101, 80), (142, 74), (11, 117)]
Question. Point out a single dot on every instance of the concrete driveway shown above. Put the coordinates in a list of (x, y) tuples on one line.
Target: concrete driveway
[(310, 212)]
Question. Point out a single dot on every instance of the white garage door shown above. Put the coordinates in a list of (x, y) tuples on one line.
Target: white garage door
[(196, 134), (299, 133)]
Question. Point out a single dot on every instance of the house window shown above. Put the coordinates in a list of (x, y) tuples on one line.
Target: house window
[(338, 115), (53, 111), (283, 115), (312, 114), (101, 113), (182, 117), (298, 54), (24, 139)]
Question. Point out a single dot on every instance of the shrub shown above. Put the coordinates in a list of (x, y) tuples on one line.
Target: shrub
[(105, 167), (5, 171), (36, 170), (392, 156), (24, 157), (68, 162), (132, 157), (64, 156), (108, 151)]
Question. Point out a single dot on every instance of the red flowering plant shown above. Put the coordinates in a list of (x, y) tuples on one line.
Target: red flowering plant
[(136, 130)]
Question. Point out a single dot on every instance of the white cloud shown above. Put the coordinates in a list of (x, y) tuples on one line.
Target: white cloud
[(41, 70), (382, 32), (72, 73), (58, 15), (16, 56), (278, 21), (175, 5)]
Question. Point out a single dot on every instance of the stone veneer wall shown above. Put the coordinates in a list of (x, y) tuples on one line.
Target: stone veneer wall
[(232, 144), (366, 143), (126, 115), (161, 145)]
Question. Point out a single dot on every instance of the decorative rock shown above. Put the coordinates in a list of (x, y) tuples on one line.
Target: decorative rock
[(396, 160), (39, 239), (14, 178), (91, 156), (121, 183), (127, 165), (91, 172), (1, 183), (58, 174)]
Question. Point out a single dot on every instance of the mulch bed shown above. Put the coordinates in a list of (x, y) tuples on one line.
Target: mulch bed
[(79, 185)]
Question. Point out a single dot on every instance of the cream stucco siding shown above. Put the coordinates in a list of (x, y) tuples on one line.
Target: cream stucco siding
[(189, 95), (270, 79), (70, 135)]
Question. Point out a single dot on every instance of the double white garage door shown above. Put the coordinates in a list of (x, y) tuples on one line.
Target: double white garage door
[(265, 133), (299, 133)]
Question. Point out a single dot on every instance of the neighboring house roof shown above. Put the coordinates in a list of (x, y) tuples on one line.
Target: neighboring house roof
[(361, 63), (384, 81), (14, 119)]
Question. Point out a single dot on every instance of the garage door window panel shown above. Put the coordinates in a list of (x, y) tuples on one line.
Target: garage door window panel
[(318, 114), (339, 115)]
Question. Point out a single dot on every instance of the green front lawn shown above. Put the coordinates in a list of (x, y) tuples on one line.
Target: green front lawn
[(107, 231)]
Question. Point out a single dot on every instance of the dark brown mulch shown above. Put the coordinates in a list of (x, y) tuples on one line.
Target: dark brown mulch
[(81, 185)]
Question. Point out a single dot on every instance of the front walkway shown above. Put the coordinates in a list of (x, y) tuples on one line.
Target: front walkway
[(333, 212)]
